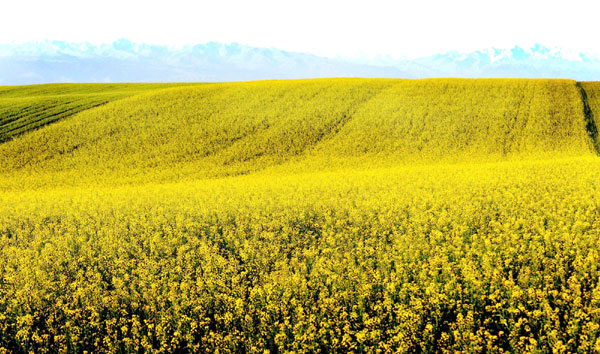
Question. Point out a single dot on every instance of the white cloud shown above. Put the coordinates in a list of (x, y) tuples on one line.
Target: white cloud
[(330, 28)]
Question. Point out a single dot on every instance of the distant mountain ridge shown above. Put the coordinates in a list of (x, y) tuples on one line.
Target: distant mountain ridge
[(127, 61)]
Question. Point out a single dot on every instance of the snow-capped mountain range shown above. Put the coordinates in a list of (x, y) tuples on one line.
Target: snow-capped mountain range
[(126, 61)]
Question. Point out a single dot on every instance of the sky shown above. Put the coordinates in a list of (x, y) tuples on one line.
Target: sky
[(399, 29)]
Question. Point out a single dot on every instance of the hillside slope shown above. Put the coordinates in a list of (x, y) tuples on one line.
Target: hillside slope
[(24, 108), (233, 128), (465, 120)]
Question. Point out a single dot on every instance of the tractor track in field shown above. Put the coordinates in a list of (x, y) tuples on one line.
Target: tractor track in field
[(590, 122)]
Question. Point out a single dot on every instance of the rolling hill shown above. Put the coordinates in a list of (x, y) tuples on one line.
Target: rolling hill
[(236, 128), (335, 215)]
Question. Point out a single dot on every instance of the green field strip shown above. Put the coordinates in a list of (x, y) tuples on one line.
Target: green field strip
[(590, 95), (24, 108)]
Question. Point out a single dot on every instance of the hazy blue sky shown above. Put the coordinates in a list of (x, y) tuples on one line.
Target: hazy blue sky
[(328, 28)]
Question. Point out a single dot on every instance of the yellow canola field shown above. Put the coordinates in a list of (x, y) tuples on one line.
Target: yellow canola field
[(316, 241), (217, 130)]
